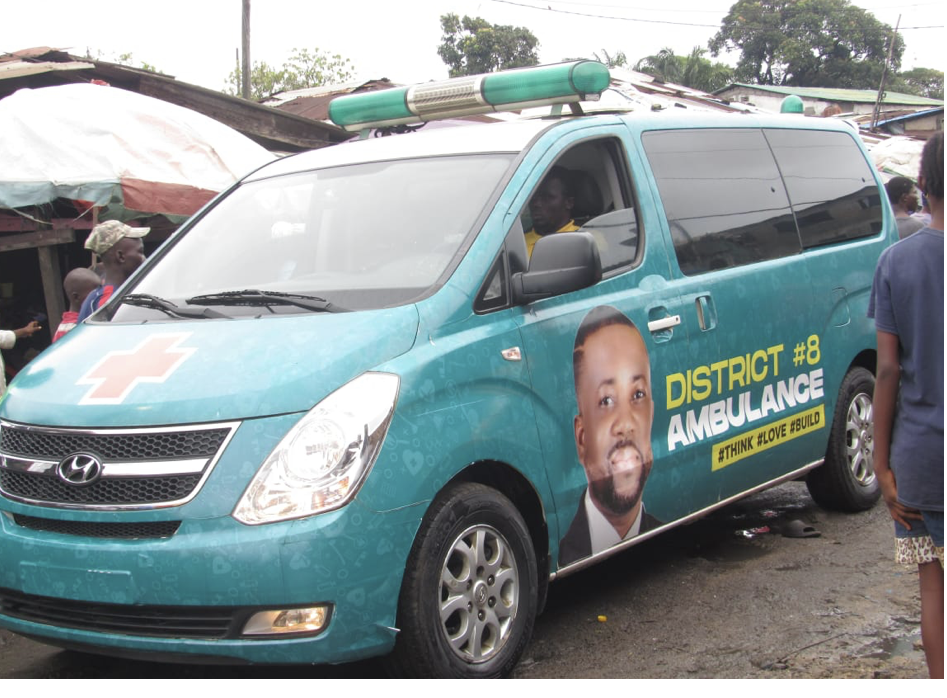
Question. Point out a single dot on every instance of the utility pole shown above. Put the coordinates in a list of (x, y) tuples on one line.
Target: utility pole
[(884, 75), (245, 72)]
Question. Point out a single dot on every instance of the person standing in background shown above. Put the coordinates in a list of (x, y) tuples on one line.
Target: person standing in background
[(8, 341), (907, 303), (904, 201), (924, 215), (78, 284), (121, 250)]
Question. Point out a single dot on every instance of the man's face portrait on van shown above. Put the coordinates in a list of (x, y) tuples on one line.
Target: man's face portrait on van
[(616, 410)]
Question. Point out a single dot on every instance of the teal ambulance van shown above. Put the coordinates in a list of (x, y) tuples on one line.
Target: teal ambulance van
[(374, 398)]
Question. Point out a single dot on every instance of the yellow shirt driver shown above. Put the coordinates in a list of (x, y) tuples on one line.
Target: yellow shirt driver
[(551, 207)]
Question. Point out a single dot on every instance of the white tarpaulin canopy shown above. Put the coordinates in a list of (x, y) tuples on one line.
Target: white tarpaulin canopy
[(117, 149), (898, 155)]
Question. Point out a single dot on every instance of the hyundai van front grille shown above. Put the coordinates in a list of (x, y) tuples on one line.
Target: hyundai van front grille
[(56, 445), (140, 490), (108, 469)]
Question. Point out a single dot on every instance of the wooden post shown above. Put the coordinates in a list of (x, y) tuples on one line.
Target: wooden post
[(245, 73), (884, 75), (51, 274)]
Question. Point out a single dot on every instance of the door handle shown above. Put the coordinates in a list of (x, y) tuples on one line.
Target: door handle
[(664, 323), (706, 313)]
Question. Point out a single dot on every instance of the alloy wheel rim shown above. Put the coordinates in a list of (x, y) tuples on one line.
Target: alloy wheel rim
[(859, 432), (478, 594)]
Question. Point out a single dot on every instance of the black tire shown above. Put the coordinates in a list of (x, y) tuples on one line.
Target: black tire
[(473, 557), (846, 481)]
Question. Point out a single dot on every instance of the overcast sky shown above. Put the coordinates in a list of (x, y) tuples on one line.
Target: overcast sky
[(196, 40)]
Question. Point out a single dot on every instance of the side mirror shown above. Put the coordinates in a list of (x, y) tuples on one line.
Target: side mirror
[(561, 262)]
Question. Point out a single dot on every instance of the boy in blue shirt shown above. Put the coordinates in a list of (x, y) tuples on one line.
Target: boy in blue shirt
[(907, 302)]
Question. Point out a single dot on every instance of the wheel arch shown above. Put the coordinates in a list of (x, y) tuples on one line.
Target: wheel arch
[(520, 491), (867, 359)]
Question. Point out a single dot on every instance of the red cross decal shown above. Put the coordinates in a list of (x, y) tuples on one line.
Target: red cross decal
[(152, 361)]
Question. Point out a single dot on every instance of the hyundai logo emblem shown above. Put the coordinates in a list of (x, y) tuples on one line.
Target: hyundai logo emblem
[(79, 469)]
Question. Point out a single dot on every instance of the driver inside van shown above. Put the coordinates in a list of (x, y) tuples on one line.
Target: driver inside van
[(551, 207)]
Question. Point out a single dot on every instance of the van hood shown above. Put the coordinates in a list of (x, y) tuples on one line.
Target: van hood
[(102, 375)]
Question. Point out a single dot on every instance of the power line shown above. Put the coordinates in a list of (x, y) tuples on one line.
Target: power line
[(550, 8), (635, 9), (900, 6)]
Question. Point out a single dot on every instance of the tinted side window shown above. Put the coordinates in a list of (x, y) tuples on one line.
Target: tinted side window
[(830, 185), (724, 200)]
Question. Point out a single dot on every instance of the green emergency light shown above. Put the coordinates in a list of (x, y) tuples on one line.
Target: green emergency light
[(544, 85)]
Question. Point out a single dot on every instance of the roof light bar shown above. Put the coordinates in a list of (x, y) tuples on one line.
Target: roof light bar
[(508, 90)]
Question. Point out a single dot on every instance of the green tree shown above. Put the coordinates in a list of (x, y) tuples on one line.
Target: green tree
[(307, 69), (694, 70), (924, 82), (265, 80), (471, 46), (700, 73), (806, 43), (122, 59), (663, 65), (617, 60), (303, 69)]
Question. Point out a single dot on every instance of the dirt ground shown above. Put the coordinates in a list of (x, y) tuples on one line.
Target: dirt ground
[(706, 600)]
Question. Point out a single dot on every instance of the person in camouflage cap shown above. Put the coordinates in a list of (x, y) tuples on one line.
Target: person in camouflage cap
[(122, 251)]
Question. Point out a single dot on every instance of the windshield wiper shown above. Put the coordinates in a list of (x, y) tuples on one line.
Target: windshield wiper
[(146, 300), (252, 296)]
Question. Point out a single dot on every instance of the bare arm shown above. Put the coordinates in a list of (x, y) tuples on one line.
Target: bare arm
[(8, 337), (885, 400), (28, 330)]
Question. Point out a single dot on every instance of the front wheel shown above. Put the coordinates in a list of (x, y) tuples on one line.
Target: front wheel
[(469, 595), (846, 481)]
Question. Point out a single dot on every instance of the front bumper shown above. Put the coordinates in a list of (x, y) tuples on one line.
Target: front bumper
[(191, 593)]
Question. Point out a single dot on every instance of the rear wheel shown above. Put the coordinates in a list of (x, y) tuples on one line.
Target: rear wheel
[(846, 481), (469, 595)]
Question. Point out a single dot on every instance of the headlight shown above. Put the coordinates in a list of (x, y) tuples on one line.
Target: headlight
[(323, 460)]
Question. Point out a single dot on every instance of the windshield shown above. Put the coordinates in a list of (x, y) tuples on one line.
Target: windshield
[(354, 237)]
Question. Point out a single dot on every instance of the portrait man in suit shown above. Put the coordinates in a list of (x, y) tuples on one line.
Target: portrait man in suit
[(612, 433)]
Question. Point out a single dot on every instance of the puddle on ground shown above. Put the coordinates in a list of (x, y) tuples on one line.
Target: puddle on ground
[(897, 647)]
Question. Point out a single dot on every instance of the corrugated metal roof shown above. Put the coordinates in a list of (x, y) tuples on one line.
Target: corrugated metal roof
[(909, 117), (15, 69), (834, 94), (272, 128), (313, 102), (342, 88)]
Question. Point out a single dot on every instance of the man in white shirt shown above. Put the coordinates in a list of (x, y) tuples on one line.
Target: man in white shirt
[(612, 433), (8, 340)]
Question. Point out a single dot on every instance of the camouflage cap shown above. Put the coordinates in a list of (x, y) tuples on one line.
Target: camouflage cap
[(105, 235)]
